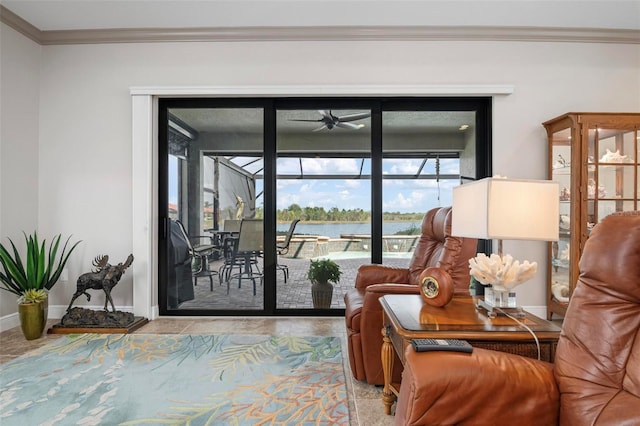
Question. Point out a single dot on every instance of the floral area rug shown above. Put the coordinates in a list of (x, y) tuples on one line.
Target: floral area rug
[(139, 379)]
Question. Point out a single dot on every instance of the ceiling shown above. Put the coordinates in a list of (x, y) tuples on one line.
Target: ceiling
[(403, 131), (250, 120), (55, 15)]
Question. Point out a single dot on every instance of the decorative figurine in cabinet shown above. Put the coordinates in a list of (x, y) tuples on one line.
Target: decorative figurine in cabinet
[(595, 159)]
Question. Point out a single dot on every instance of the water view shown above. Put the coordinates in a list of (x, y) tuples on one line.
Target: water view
[(335, 229)]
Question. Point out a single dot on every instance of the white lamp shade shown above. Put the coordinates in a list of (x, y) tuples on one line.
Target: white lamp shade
[(506, 209)]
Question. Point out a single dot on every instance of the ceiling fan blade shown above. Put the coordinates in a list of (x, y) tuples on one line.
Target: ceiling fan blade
[(349, 125), (330, 121), (354, 117)]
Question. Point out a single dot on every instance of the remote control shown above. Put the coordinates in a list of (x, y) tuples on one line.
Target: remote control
[(455, 345)]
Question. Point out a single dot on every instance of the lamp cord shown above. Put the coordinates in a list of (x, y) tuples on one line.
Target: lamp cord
[(523, 325)]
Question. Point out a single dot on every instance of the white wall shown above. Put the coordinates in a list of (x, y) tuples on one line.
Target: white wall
[(85, 184), (19, 131)]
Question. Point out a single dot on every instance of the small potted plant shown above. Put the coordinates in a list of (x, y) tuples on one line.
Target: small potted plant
[(32, 278), (322, 273)]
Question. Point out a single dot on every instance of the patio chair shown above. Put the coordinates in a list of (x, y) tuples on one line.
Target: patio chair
[(283, 248), (201, 254), (232, 225), (228, 242), (245, 253)]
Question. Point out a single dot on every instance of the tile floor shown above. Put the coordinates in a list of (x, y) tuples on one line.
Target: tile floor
[(365, 405)]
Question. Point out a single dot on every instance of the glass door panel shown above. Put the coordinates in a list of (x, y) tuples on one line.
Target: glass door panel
[(423, 153), (323, 172), (215, 184)]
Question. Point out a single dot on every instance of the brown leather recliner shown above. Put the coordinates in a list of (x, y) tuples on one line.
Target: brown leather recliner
[(595, 379), (363, 312)]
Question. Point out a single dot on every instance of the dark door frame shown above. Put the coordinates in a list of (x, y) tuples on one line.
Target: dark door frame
[(482, 106)]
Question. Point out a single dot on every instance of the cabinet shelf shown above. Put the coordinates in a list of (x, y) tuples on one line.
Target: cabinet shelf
[(578, 141)]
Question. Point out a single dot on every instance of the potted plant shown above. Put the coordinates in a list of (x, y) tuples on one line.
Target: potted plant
[(32, 278), (322, 273)]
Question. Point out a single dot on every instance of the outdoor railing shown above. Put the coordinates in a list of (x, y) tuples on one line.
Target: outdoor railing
[(311, 246)]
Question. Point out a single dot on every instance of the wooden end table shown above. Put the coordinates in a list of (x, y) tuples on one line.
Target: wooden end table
[(407, 317)]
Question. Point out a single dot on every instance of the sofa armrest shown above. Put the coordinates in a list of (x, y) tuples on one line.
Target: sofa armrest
[(378, 274), (379, 290), (371, 328), (484, 387)]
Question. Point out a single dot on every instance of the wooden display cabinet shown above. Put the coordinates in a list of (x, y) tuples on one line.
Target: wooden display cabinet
[(595, 159)]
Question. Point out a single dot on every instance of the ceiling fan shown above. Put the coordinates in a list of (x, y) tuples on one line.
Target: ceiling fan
[(329, 121)]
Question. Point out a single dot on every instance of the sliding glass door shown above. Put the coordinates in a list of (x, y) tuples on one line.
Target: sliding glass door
[(323, 175), (422, 156), (214, 182), (252, 190)]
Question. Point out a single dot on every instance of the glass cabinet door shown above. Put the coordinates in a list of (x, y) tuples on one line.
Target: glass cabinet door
[(560, 257), (613, 173)]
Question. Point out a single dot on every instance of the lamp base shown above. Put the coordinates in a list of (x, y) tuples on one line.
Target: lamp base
[(497, 303), (495, 311)]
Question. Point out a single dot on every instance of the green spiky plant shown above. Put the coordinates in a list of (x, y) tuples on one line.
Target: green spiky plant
[(40, 270), (323, 271)]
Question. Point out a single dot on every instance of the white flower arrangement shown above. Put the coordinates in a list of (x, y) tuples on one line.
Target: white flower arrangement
[(503, 273)]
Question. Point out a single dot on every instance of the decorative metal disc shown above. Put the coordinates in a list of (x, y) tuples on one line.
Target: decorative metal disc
[(430, 287), (436, 286)]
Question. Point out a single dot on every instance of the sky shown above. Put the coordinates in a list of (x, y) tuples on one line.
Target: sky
[(404, 196)]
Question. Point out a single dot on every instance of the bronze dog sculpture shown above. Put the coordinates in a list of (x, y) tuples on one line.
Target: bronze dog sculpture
[(103, 277)]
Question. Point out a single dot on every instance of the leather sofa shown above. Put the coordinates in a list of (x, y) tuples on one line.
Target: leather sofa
[(595, 379), (436, 247)]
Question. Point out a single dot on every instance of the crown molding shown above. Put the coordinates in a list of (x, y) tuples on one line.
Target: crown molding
[(320, 33), (256, 34), (17, 23)]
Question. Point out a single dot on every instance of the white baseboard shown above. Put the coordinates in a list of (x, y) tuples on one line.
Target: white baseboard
[(10, 321), (155, 312)]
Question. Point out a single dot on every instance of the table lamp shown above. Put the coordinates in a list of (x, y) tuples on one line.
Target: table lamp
[(501, 209)]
